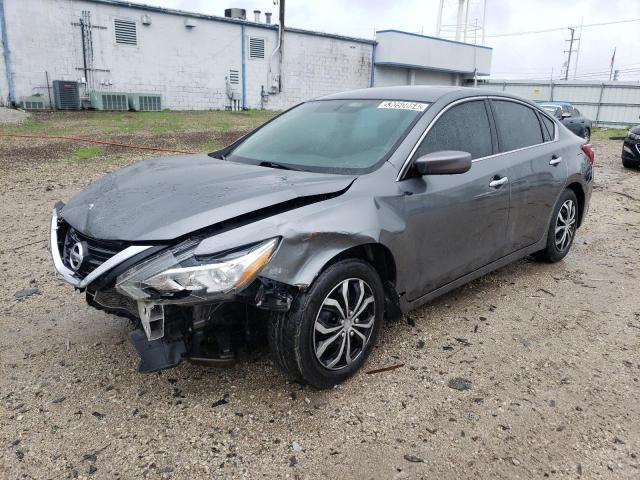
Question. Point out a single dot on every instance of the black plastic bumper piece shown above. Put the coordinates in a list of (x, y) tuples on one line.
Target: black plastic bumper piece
[(158, 354)]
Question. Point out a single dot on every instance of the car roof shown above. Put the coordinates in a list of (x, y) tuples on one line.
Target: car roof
[(414, 93)]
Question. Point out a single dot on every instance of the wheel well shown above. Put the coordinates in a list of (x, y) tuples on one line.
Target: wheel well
[(577, 189), (377, 255)]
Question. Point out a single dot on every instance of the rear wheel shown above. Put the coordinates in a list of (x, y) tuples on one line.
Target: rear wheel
[(330, 330), (562, 228)]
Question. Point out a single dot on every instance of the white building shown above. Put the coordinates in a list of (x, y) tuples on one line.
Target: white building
[(197, 61)]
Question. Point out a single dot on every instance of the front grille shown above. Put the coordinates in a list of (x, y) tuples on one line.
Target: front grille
[(98, 251)]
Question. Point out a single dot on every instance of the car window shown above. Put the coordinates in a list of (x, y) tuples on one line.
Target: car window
[(464, 127), (549, 128), (518, 125)]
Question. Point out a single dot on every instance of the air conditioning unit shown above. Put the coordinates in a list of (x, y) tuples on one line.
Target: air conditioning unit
[(34, 102), (66, 95), (145, 102), (110, 101)]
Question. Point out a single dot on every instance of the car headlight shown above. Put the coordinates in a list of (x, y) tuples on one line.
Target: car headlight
[(178, 274)]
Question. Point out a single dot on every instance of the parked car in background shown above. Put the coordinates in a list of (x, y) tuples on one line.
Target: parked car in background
[(631, 148), (313, 228), (570, 117)]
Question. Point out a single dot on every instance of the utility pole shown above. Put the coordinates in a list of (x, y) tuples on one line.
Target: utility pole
[(575, 67), (613, 60), (573, 39)]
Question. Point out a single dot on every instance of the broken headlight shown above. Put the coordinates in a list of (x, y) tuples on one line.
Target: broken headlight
[(179, 275)]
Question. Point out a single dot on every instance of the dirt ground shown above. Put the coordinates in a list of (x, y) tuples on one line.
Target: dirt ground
[(550, 354)]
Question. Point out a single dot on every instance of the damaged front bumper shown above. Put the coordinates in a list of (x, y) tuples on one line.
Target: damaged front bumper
[(171, 295)]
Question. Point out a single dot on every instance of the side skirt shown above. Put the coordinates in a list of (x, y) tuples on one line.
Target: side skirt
[(501, 262)]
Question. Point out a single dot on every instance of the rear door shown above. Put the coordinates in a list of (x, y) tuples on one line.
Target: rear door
[(528, 144), (456, 223)]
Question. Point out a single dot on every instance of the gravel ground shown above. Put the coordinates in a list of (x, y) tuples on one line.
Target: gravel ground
[(9, 115), (529, 372)]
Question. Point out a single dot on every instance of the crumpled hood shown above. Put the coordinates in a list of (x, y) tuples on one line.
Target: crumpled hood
[(168, 197)]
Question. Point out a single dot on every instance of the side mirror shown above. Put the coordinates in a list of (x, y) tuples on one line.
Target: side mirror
[(566, 114), (445, 162)]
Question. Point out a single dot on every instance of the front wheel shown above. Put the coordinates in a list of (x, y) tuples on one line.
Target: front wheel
[(562, 229), (330, 330)]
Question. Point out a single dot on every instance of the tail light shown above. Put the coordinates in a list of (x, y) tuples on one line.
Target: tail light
[(587, 148)]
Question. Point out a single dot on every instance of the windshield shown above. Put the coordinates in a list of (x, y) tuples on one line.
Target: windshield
[(336, 136)]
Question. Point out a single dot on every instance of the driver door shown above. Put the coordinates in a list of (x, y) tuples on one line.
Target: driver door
[(456, 223)]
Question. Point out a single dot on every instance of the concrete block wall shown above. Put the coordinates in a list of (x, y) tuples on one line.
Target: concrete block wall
[(187, 66)]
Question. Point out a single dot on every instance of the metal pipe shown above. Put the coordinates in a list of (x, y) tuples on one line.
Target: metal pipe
[(459, 19), (281, 14), (484, 20), (6, 56), (439, 25), (278, 47), (84, 55), (372, 77), (46, 74), (466, 20), (244, 69)]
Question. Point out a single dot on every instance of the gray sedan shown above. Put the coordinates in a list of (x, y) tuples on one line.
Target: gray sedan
[(313, 229)]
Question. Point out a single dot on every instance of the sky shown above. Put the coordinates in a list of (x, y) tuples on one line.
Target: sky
[(521, 56)]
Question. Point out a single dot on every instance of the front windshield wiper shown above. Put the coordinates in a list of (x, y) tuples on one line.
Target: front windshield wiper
[(274, 165)]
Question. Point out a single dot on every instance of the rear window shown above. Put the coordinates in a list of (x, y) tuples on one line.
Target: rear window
[(518, 125)]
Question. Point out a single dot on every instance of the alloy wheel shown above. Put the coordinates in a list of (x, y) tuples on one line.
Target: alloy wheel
[(565, 225), (344, 324)]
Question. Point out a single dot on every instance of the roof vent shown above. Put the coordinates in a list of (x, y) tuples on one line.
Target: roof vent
[(237, 13), (256, 15), (267, 18)]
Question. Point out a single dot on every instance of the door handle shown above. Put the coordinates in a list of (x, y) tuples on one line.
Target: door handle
[(555, 160), (498, 183)]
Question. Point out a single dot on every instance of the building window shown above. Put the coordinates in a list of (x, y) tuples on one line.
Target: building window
[(256, 47), (126, 33)]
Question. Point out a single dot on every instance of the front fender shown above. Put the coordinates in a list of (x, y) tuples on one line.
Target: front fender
[(312, 235)]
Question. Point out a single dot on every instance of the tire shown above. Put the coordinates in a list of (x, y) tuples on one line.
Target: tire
[(626, 163), (307, 340), (558, 245)]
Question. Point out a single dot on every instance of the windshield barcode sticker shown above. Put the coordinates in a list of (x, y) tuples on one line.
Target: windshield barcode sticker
[(397, 105)]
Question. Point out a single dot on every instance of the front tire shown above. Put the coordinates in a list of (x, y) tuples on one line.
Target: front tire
[(629, 164), (330, 330), (562, 229)]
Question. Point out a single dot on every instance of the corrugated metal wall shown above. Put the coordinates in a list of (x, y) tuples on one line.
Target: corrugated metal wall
[(606, 103)]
